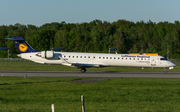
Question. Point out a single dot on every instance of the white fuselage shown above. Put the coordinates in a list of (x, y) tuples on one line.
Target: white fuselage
[(101, 59)]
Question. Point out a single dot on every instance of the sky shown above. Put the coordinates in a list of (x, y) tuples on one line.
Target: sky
[(39, 12)]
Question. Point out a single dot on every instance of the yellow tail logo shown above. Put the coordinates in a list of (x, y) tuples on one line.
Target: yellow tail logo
[(23, 47)]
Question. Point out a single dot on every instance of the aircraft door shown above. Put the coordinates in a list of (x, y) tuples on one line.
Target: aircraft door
[(153, 62), (61, 57)]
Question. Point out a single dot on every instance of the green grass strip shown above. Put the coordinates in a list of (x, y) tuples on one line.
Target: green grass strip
[(111, 95)]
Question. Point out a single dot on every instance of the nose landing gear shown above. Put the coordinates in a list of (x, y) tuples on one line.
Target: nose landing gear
[(165, 70), (83, 70)]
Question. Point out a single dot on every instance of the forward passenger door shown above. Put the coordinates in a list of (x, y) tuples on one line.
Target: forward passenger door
[(153, 62)]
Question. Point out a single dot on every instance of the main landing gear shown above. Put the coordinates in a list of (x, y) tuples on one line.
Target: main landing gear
[(83, 70), (165, 70)]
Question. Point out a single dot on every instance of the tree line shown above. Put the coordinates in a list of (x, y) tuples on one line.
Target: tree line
[(97, 36)]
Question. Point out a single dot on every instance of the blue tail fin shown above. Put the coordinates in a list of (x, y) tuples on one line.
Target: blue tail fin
[(22, 45)]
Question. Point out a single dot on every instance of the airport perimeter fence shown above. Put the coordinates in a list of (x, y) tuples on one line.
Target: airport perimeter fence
[(176, 61), (13, 60)]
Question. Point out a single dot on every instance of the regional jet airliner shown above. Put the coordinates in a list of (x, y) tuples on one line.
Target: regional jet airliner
[(86, 60)]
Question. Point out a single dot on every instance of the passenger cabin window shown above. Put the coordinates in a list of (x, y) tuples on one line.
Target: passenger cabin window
[(141, 58), (118, 58), (106, 57), (114, 57), (94, 57), (64, 56), (80, 56), (103, 57), (129, 58), (110, 57), (99, 57), (69, 56), (134, 58), (88, 56), (76, 56), (73, 56), (122, 58), (84, 56)]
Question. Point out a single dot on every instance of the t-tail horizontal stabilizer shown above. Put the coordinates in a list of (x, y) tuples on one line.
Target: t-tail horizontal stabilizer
[(22, 45)]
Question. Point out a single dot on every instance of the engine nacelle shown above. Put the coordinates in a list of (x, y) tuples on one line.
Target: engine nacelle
[(47, 54)]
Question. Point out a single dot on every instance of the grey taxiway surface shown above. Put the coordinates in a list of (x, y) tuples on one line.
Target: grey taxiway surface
[(90, 74)]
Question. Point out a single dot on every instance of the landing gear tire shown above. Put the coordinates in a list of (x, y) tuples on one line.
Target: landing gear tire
[(83, 70)]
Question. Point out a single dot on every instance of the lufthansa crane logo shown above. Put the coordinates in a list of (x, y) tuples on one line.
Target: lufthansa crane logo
[(23, 47)]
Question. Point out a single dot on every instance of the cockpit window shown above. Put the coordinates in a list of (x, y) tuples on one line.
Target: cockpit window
[(163, 59)]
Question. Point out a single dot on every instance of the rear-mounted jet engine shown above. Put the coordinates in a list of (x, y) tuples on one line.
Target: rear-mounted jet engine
[(46, 54)]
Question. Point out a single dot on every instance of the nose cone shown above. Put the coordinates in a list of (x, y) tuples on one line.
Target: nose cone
[(171, 65)]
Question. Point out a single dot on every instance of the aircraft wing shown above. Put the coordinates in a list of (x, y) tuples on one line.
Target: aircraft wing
[(81, 65)]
